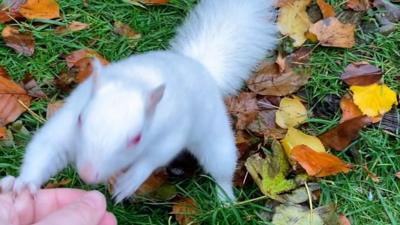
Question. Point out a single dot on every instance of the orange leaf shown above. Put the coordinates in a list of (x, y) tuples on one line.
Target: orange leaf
[(326, 9), (341, 136), (3, 73), (358, 5), (23, 43), (349, 109), (318, 164), (72, 27), (61, 183), (10, 95), (3, 133), (40, 9), (331, 32), (184, 211)]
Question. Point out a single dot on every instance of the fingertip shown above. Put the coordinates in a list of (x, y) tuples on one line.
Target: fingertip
[(109, 219), (95, 199)]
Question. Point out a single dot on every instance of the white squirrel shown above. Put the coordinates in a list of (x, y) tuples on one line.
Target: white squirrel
[(141, 112)]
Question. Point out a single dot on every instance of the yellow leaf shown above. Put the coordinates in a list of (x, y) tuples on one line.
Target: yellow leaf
[(293, 21), (374, 100), (295, 137), (291, 113)]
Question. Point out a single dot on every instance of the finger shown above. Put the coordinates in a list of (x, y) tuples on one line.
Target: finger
[(87, 211), (8, 216), (108, 219), (23, 205)]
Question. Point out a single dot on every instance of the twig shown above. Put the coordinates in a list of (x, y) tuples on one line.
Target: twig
[(309, 201), (251, 200), (36, 116)]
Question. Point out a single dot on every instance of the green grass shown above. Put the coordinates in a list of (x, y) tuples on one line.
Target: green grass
[(352, 192)]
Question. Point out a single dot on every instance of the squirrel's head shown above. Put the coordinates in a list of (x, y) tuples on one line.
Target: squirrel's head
[(113, 126)]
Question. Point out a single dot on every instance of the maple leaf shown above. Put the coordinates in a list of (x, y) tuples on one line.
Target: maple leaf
[(295, 137), (23, 43), (318, 164), (293, 21), (326, 9), (374, 100), (184, 211), (291, 113), (358, 5), (331, 32), (40, 9), (361, 74)]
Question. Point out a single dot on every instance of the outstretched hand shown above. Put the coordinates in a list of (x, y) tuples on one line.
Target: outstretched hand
[(55, 207)]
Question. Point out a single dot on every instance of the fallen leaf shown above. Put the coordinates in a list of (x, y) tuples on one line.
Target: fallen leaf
[(268, 81), (58, 184), (343, 220), (72, 27), (9, 10), (270, 172), (287, 214), (126, 31), (73, 58), (264, 125), (22, 43), (326, 9), (10, 94), (295, 137), (318, 164), (361, 74), (244, 108), (155, 181), (374, 100), (391, 121), (349, 109), (147, 2), (3, 133), (40, 9), (32, 87), (358, 5), (293, 21), (341, 136), (291, 113), (53, 108), (392, 10), (300, 195), (371, 175), (331, 32), (398, 175), (3, 73), (184, 211)]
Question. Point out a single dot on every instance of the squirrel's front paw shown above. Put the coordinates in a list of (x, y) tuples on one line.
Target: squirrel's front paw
[(123, 188), (17, 185)]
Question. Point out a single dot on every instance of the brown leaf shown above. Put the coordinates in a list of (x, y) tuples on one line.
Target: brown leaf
[(371, 175), (184, 211), (40, 9), (3, 133), (243, 107), (23, 43), (32, 87), (264, 125), (331, 32), (391, 121), (53, 108), (72, 27), (3, 73), (126, 31), (358, 5), (10, 94), (9, 10), (73, 58), (343, 220), (326, 9), (155, 181), (361, 74), (341, 136), (149, 2), (318, 164), (268, 81), (349, 109), (62, 183)]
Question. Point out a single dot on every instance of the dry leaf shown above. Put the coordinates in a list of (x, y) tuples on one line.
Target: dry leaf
[(244, 108), (392, 11), (374, 100), (147, 2), (341, 136), (3, 73), (292, 214), (72, 27), (268, 81), (184, 211), (40, 9), (372, 175), (331, 32), (126, 31), (326, 9), (58, 184), (318, 164), (343, 220), (3, 133), (73, 58), (53, 108), (358, 5), (349, 109), (295, 137), (264, 125), (23, 43), (391, 121), (361, 74), (293, 21), (291, 113), (32, 87), (10, 94), (9, 10)]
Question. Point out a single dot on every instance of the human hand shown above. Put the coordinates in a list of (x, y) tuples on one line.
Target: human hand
[(55, 207)]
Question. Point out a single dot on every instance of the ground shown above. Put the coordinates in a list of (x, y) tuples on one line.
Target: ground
[(357, 196)]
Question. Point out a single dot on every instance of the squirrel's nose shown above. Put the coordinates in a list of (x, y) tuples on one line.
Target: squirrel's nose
[(88, 174)]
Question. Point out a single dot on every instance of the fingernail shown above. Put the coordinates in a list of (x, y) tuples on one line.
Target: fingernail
[(94, 199)]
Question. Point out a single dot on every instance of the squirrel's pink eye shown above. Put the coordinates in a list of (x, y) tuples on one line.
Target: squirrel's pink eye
[(135, 141)]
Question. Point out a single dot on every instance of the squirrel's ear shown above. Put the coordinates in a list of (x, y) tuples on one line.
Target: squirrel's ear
[(155, 97)]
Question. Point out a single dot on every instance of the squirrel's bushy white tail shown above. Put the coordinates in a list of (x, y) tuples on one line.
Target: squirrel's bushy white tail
[(229, 37)]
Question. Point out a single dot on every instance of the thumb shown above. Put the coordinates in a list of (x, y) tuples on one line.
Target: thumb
[(87, 211)]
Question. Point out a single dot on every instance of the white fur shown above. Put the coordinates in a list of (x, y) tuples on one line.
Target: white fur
[(214, 51)]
